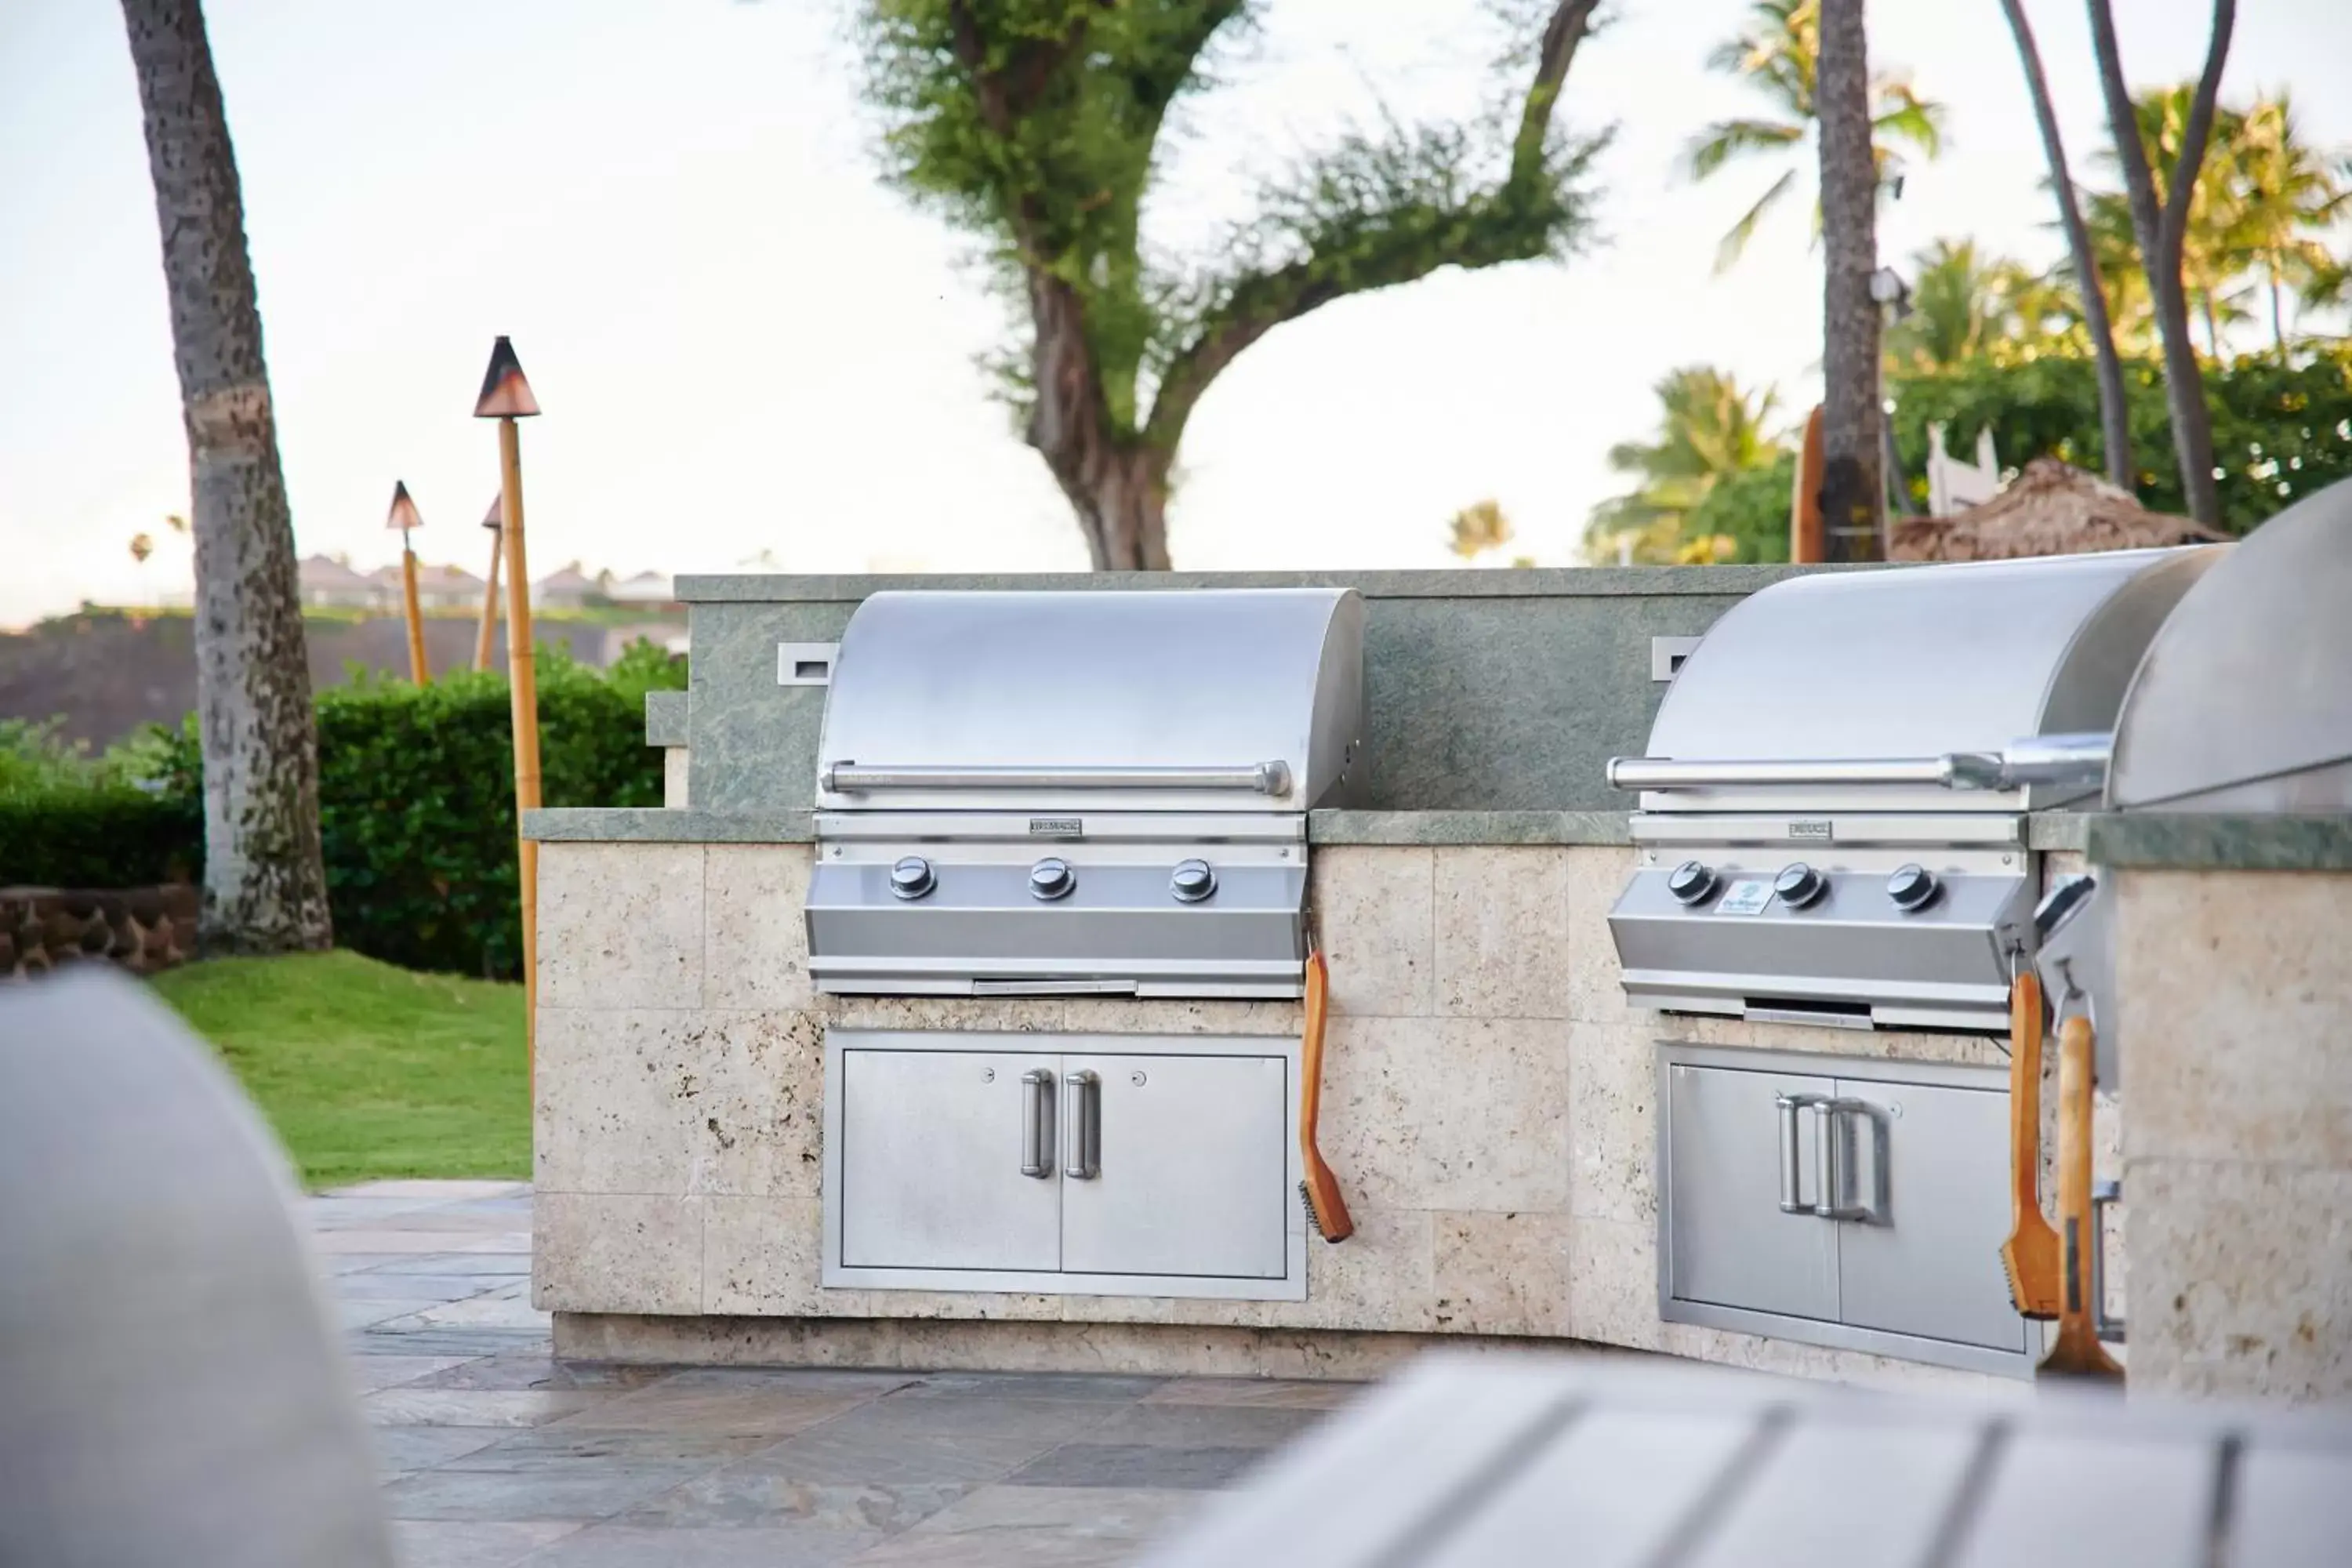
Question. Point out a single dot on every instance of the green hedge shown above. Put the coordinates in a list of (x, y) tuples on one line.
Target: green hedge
[(415, 805), (2280, 431)]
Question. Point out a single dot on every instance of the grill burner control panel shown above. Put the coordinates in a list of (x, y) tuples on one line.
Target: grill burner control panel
[(1192, 882), (1910, 888)]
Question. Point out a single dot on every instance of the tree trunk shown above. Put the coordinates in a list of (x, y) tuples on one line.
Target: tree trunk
[(2213, 326), (2278, 320), (2161, 232), (1851, 488), (265, 885), (1117, 484), (2114, 417)]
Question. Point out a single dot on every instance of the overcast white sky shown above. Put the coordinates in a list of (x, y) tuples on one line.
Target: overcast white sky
[(742, 343)]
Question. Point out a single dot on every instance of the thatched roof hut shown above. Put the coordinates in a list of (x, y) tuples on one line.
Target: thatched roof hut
[(2051, 509)]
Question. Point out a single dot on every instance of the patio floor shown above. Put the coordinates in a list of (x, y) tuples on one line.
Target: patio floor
[(494, 1454)]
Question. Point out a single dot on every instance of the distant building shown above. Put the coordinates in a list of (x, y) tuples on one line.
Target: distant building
[(567, 588), (327, 583), (437, 588), (646, 590)]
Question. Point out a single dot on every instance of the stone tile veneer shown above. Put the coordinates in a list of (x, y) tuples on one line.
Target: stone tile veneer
[(1489, 1109), (2235, 997)]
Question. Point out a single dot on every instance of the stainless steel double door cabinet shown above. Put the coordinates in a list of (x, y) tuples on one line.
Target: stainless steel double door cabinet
[(1842, 1200), (1085, 1164)]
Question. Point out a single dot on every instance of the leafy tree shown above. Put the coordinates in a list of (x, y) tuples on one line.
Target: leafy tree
[(1710, 430), (265, 882), (1966, 305), (1478, 528), (1033, 125), (2092, 281), (2284, 195), (1778, 54), (2160, 224), (1749, 512), (2280, 431)]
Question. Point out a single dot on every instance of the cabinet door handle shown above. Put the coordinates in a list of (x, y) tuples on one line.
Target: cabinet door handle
[(1037, 1122), (1083, 1161), (1829, 1160), (1792, 1160)]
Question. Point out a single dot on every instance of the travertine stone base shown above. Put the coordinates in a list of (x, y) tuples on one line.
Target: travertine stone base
[(1488, 1107), (2236, 996)]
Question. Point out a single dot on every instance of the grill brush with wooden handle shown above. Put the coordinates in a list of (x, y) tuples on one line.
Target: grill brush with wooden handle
[(2031, 1254), (2076, 1352), (1327, 1211)]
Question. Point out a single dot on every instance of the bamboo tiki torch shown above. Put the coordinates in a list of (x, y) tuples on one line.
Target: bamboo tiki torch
[(506, 397), (495, 522), (404, 518)]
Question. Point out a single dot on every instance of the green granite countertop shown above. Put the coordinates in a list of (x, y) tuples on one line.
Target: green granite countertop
[(658, 825), (2219, 842)]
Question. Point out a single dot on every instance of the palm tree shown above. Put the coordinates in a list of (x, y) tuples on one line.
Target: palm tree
[(2287, 193), (1478, 528), (2090, 279), (1709, 428), (1966, 305), (2160, 224), (1778, 54), (265, 885), (1853, 493)]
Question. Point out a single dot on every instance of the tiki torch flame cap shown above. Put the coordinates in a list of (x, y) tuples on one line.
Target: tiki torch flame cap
[(505, 394), (496, 516), (404, 510)]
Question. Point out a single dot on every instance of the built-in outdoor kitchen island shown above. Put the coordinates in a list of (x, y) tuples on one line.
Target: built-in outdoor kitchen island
[(950, 1014)]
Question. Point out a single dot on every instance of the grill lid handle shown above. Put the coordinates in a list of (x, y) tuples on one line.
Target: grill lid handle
[(2060, 760), (856, 778)]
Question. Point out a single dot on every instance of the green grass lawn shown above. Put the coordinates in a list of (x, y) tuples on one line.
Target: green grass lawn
[(366, 1070)]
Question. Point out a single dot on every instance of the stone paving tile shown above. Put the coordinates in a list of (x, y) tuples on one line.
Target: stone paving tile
[(727, 1411), (1038, 1527), (840, 1453), (1091, 1387), (812, 1380), (1267, 1394), (758, 1493), (372, 1373), (366, 1311), (400, 1449), (1203, 1425), (374, 1284), (1136, 1465), (517, 1263), (414, 1241), (336, 1266), (557, 1447), (540, 1372), (472, 1543), (447, 1342), (587, 1489), (475, 1406), (630, 1546), (431, 1191), (477, 1312)]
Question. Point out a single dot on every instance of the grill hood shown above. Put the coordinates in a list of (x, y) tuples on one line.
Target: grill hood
[(1079, 793), (1879, 738)]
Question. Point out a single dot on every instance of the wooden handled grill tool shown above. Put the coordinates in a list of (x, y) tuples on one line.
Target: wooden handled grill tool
[(1327, 1211), (2032, 1254), (2076, 1351)]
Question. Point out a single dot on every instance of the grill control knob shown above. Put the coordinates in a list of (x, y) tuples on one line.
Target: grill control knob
[(1913, 887), (1691, 883), (912, 878), (1798, 885), (1192, 882), (1051, 877)]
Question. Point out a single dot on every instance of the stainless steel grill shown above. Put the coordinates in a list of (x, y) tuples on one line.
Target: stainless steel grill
[(1834, 823), (1058, 794)]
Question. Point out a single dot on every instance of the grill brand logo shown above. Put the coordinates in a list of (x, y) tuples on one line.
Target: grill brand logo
[(1809, 828), (1057, 827)]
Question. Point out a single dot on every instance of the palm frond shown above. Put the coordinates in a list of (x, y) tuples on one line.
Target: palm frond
[(1735, 242), (1725, 139)]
